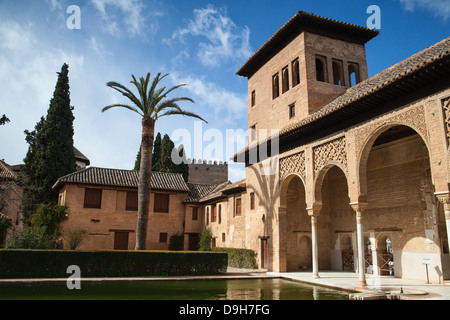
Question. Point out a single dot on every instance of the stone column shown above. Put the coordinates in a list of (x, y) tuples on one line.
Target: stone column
[(359, 207), (314, 214), (444, 198)]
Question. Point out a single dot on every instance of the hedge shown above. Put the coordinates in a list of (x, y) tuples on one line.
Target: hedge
[(240, 258), (27, 264)]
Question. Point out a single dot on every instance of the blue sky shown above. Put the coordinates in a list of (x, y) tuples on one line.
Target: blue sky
[(199, 43)]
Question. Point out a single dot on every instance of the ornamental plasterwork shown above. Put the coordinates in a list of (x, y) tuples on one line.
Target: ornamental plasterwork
[(415, 118), (446, 107), (333, 151), (293, 164)]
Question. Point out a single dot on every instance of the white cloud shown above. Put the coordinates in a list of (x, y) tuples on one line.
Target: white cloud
[(440, 8), (131, 11), (54, 4), (225, 39), (228, 106), (15, 37)]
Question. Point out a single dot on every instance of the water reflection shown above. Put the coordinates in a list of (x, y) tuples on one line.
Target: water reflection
[(258, 289)]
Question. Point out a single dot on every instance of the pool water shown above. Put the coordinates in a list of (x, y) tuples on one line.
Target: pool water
[(253, 289)]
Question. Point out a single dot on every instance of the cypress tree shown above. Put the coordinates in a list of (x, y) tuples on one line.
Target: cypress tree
[(50, 155), (156, 153), (165, 163)]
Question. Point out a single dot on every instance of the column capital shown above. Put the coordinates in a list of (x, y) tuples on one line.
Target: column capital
[(314, 210), (358, 207)]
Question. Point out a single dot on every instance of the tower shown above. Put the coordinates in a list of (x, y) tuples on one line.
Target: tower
[(309, 62)]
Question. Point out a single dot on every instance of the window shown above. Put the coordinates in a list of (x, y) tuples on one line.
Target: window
[(220, 214), (223, 237), (275, 86), (194, 213), (207, 215), (161, 203), (353, 74), (253, 98), (93, 198), (321, 69), (338, 74), (285, 74), (213, 213), (253, 133), (292, 111), (163, 238), (238, 207), (252, 201), (132, 201), (295, 73)]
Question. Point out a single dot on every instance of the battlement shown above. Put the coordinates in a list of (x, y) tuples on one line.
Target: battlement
[(207, 172)]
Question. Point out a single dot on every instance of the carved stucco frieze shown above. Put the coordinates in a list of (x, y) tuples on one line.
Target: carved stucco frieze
[(293, 164), (333, 151), (446, 109)]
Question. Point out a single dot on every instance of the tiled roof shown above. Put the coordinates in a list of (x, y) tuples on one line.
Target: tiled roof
[(223, 190), (6, 172), (81, 157), (407, 68), (198, 191), (123, 179)]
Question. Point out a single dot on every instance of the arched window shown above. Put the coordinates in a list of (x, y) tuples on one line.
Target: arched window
[(338, 74), (285, 74), (295, 73), (321, 69), (353, 74), (276, 86)]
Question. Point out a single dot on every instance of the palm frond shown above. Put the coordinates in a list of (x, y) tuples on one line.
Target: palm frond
[(122, 106), (126, 92), (181, 113)]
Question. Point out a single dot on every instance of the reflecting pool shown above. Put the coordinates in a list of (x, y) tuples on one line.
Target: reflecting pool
[(252, 289)]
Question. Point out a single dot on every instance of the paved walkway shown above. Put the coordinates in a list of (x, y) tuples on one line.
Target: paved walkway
[(412, 290)]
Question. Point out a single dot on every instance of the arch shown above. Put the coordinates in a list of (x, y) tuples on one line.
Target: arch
[(338, 74), (285, 185), (285, 79), (295, 73), (353, 74), (367, 147), (318, 181), (321, 69)]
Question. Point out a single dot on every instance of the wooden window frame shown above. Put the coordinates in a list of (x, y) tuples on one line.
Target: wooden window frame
[(157, 198), (252, 201), (132, 201), (238, 207), (194, 213), (163, 237), (90, 192), (292, 111)]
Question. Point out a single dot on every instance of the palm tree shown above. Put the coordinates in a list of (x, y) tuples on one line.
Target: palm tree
[(151, 104)]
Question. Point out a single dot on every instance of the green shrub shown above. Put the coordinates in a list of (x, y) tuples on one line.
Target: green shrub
[(73, 238), (240, 258), (54, 263), (49, 216), (5, 224), (205, 240), (176, 242), (31, 238)]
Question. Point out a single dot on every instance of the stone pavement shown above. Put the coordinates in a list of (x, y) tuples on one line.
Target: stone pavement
[(402, 289)]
